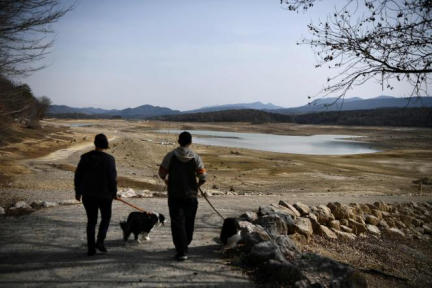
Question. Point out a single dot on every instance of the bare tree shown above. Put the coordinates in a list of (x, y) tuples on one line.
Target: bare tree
[(43, 105), (389, 41), (25, 33)]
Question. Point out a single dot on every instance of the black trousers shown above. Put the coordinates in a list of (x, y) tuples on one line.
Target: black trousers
[(182, 214), (92, 205)]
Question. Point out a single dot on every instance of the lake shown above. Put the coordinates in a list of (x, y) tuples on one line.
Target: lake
[(312, 145)]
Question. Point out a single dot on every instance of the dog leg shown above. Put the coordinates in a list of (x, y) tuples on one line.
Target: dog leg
[(145, 236)]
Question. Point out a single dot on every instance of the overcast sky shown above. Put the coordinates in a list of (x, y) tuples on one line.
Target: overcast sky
[(184, 55)]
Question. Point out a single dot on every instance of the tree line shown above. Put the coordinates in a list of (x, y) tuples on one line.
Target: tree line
[(399, 117)]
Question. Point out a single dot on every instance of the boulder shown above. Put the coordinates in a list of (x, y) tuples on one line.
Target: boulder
[(400, 225), (286, 210), (316, 227), (273, 211), (357, 227), (427, 229), (303, 226), (299, 239), (263, 252), (377, 213), (144, 193), (302, 208), (287, 246), (2, 211), (249, 216), (371, 229), (42, 204), (344, 235), (372, 220), (274, 225), (127, 193), (252, 234), (335, 224), (21, 205), (283, 272), (342, 212), (327, 233), (346, 229), (344, 222), (407, 220), (383, 224), (365, 209), (381, 206), (395, 233), (289, 206), (390, 222), (324, 214)]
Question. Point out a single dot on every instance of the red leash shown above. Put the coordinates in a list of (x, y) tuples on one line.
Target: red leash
[(133, 206)]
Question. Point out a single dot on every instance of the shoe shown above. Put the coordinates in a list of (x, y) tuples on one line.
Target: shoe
[(101, 248), (181, 256), (91, 252)]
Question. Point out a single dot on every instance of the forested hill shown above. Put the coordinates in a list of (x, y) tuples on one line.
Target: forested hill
[(400, 117), (244, 115)]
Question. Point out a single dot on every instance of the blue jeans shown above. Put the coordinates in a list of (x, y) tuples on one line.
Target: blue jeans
[(92, 205)]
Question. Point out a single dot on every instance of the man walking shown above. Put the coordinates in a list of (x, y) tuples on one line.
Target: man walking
[(180, 169), (96, 182)]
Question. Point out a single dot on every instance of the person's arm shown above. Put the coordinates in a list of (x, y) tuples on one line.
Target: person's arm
[(201, 172), (112, 177), (77, 181), (164, 167)]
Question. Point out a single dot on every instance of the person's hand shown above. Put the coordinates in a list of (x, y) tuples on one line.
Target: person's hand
[(116, 197), (78, 198), (200, 184)]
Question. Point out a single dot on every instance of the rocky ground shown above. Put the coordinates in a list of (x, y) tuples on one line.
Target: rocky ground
[(40, 168)]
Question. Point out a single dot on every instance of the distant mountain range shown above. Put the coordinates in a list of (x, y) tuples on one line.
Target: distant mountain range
[(320, 105)]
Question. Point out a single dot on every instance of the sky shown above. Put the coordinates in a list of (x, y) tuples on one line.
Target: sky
[(185, 55)]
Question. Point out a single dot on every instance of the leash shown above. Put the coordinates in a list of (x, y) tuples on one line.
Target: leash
[(131, 205), (205, 197)]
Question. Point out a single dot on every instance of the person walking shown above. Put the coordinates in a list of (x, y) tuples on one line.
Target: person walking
[(96, 183), (180, 169)]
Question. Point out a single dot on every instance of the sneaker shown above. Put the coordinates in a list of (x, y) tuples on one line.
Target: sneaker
[(181, 256), (101, 248)]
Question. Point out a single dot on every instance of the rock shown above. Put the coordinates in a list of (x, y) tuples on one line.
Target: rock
[(263, 252), (391, 222), (334, 224), (344, 222), (395, 233), (377, 213), (360, 219), (327, 233), (373, 230), (252, 234), (127, 193), (316, 227), (273, 211), (69, 202), (365, 208), (21, 205), (427, 229), (249, 216), (342, 212), (299, 239), (42, 204), (144, 193), (274, 225), (346, 229), (324, 214), (357, 227), (381, 206), (400, 224), (302, 208), (282, 272), (303, 226), (344, 235), (330, 272), (289, 206), (372, 220), (287, 211), (287, 246), (2, 211), (383, 224), (407, 220)]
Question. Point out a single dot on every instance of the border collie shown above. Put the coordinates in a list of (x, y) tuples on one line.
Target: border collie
[(141, 223), (230, 234)]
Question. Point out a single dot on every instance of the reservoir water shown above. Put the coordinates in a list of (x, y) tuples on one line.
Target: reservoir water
[(312, 145)]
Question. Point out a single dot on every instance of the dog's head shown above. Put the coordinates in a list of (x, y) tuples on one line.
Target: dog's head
[(158, 219)]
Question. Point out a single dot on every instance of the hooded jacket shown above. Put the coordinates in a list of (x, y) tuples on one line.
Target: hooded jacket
[(96, 175), (183, 166)]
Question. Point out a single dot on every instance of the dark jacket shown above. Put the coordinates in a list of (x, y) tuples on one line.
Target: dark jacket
[(96, 175)]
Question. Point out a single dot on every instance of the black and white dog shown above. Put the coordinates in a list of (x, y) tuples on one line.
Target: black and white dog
[(141, 223), (230, 234)]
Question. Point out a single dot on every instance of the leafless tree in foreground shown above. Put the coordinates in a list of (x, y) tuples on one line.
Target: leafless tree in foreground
[(26, 33), (391, 40)]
